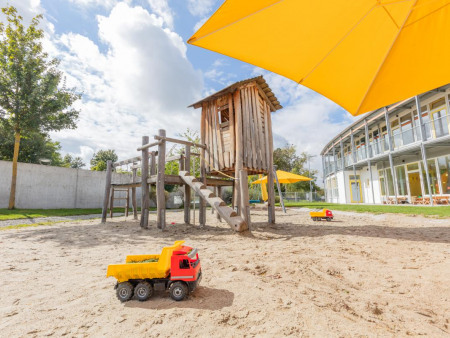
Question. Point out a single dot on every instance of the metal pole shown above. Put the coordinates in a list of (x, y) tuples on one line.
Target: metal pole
[(369, 154), (391, 162), (309, 171), (422, 148), (341, 144), (279, 188)]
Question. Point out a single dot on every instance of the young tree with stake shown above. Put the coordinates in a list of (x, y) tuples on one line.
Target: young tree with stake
[(32, 98)]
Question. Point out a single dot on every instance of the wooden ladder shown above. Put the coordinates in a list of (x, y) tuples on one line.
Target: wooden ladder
[(236, 222), (127, 198)]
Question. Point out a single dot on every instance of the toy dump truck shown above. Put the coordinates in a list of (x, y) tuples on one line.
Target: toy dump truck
[(176, 269), (318, 215)]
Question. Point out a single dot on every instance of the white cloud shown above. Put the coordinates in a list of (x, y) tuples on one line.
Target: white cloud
[(163, 10), (108, 4), (201, 7), (142, 83)]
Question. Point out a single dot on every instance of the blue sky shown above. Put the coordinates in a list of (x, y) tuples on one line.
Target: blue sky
[(137, 75)]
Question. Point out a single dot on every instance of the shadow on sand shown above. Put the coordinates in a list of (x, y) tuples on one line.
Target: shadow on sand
[(92, 235), (204, 298)]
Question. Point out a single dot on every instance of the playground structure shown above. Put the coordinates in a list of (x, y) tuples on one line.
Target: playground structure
[(236, 141)]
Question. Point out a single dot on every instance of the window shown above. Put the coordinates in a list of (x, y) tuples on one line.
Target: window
[(382, 182), (390, 182), (433, 178), (439, 118), (425, 121), (184, 264), (444, 170), (401, 180), (407, 129)]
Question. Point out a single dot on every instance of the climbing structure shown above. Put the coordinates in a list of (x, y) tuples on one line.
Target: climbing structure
[(236, 141)]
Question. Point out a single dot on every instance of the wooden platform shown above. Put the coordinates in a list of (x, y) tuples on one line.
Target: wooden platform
[(176, 180)]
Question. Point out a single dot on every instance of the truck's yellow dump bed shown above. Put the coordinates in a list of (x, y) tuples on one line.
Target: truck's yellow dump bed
[(318, 213), (133, 270)]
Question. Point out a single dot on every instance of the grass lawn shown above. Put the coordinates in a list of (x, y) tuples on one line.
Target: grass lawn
[(439, 211), (34, 213)]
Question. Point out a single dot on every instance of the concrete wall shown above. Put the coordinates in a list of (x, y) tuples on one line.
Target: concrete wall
[(47, 187)]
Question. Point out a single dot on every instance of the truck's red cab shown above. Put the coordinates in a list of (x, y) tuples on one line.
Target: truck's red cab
[(185, 266)]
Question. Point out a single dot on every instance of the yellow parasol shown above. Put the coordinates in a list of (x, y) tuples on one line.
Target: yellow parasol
[(362, 54), (283, 177)]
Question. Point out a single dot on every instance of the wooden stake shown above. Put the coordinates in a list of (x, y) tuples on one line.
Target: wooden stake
[(160, 196), (133, 194), (145, 194), (107, 190), (245, 206), (187, 189)]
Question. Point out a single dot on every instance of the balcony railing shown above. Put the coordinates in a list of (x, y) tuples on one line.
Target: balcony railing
[(438, 127)]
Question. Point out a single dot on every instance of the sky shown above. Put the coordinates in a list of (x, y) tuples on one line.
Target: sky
[(137, 74)]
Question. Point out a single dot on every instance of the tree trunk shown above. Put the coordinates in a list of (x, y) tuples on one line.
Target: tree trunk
[(12, 194)]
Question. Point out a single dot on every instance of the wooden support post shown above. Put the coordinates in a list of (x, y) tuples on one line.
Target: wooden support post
[(127, 204), (219, 194), (111, 203), (107, 190), (160, 196), (144, 185), (202, 207), (244, 206), (239, 149), (187, 189), (270, 188), (133, 194)]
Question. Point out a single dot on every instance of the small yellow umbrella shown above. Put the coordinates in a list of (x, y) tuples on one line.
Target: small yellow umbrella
[(284, 177), (363, 54)]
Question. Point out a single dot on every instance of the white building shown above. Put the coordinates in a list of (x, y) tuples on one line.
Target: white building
[(380, 158)]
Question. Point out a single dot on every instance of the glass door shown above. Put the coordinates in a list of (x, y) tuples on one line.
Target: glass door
[(414, 181), (355, 189)]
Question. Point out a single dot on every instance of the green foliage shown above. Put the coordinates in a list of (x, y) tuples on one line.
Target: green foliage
[(33, 147), (100, 158), (73, 162), (33, 94), (286, 159)]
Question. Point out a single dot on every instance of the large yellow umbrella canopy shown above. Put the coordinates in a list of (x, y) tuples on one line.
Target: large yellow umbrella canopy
[(284, 177), (362, 54)]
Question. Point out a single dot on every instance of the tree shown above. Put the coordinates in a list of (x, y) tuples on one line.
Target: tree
[(32, 98), (73, 162), (286, 159), (33, 148), (100, 158)]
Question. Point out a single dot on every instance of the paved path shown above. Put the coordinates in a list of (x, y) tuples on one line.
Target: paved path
[(9, 222)]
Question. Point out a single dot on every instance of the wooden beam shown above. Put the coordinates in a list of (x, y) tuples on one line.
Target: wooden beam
[(232, 135), (239, 146), (148, 145), (244, 206), (174, 140)]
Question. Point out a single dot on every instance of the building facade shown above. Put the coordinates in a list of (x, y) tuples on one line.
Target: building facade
[(395, 155)]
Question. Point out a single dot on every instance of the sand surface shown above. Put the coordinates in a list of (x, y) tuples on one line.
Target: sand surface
[(361, 275)]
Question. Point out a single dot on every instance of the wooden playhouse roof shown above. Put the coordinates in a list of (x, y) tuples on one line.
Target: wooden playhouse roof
[(264, 88)]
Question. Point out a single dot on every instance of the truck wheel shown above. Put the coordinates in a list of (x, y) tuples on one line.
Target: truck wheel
[(328, 219), (178, 291), (143, 291), (124, 291)]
